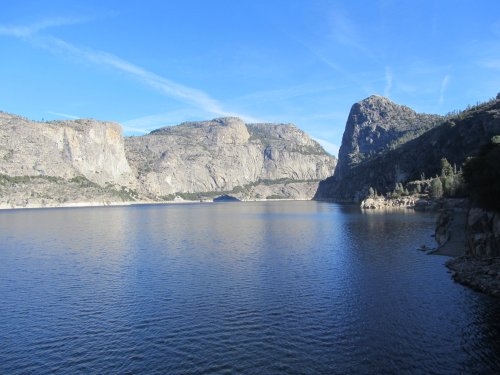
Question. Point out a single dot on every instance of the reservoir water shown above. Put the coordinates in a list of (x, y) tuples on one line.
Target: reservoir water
[(245, 288)]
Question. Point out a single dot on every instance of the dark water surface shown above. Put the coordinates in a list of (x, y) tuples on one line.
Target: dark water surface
[(251, 288)]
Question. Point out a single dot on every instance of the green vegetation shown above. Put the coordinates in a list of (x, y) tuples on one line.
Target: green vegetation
[(468, 111), (261, 134), (9, 155), (409, 135), (245, 189), (482, 176), (399, 191), (446, 168), (83, 187), (83, 182), (264, 136), (275, 196), (277, 181), (448, 184), (169, 197), (436, 190), (6, 180), (200, 196), (451, 180)]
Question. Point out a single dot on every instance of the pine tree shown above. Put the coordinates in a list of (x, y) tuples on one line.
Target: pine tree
[(446, 168), (436, 188)]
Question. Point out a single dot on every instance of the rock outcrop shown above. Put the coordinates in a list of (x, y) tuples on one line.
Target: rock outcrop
[(483, 233), (377, 124), (65, 162), (64, 149), (224, 155), (480, 274), (455, 138), (479, 268), (383, 203)]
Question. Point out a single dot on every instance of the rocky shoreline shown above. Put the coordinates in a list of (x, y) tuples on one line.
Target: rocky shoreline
[(472, 237), (480, 274), (416, 202)]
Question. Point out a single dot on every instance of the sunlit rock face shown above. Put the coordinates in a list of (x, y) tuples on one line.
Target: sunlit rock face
[(65, 149), (223, 154)]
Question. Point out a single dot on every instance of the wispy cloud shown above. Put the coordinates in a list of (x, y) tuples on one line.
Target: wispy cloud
[(344, 31), (336, 67), (172, 89), (444, 85), (388, 81), (37, 27)]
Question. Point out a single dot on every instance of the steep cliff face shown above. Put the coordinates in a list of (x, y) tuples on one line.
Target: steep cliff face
[(88, 161), (64, 149), (223, 154), (375, 125), (455, 139), (483, 233), (479, 268)]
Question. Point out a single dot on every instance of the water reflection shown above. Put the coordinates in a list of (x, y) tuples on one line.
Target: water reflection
[(280, 287)]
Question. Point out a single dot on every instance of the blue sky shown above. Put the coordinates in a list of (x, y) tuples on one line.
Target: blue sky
[(147, 64)]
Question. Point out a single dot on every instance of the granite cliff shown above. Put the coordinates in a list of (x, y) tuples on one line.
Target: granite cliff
[(65, 149), (375, 125), (89, 162), (227, 155), (62, 163), (472, 235), (415, 153), (389, 149)]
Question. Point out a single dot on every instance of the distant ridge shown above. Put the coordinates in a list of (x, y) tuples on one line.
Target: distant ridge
[(89, 162)]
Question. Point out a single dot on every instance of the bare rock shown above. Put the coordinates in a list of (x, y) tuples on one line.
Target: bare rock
[(483, 233), (49, 163), (225, 154), (383, 203), (65, 149)]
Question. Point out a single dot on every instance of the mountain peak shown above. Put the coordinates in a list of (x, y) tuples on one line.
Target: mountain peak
[(376, 98), (376, 123)]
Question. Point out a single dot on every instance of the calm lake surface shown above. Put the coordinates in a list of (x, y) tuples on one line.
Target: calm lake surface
[(251, 288)]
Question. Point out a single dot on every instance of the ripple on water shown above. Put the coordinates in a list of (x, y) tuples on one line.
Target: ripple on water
[(283, 287)]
